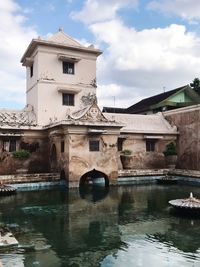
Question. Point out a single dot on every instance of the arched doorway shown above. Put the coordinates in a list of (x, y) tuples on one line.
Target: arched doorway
[(53, 158), (94, 186), (95, 178)]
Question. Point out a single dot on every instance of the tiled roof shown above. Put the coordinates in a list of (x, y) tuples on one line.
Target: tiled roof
[(114, 110), (134, 123), (145, 104), (17, 118)]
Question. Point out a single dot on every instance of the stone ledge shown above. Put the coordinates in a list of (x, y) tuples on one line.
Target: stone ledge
[(142, 172), (27, 178), (150, 172), (181, 172)]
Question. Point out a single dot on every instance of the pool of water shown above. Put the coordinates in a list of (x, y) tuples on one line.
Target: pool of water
[(123, 226)]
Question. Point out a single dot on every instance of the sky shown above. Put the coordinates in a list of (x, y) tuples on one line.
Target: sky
[(149, 46)]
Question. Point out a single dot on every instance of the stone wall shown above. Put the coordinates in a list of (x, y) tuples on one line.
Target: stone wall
[(188, 144), (142, 159), (81, 160), (38, 162), (77, 159)]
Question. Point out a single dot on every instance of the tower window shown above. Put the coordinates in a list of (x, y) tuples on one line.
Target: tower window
[(94, 145), (68, 99), (62, 146), (68, 67), (31, 71)]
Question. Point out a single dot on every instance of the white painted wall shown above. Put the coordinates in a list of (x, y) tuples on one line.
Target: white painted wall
[(48, 76)]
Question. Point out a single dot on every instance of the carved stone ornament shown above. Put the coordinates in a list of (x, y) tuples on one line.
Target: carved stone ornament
[(94, 114), (89, 99)]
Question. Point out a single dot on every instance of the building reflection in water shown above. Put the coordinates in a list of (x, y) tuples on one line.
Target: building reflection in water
[(88, 226)]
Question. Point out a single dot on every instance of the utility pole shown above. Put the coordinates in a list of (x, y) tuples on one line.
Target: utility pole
[(114, 103)]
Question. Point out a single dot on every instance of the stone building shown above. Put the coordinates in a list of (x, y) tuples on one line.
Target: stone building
[(62, 126)]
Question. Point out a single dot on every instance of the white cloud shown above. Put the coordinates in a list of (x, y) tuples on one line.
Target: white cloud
[(187, 9), (142, 62), (100, 10), (115, 95), (14, 37)]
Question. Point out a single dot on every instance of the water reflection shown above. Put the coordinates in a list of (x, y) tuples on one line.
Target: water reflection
[(93, 193), (125, 226)]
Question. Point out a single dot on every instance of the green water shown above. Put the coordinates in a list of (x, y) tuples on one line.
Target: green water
[(124, 227)]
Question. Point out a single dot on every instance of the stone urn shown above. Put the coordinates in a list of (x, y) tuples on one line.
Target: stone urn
[(170, 155), (171, 161), (126, 159)]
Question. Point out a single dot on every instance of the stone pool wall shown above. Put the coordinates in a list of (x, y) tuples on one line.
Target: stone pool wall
[(29, 178), (187, 121)]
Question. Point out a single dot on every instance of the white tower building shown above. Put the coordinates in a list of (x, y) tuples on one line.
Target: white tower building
[(61, 76)]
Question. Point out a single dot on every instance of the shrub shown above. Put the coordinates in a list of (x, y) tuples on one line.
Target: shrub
[(170, 149), (21, 154), (126, 152)]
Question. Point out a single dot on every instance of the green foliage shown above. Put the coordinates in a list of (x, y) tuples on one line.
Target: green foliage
[(170, 149), (196, 85), (126, 152), (21, 154)]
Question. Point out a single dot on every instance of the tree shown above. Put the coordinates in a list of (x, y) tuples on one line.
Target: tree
[(196, 85)]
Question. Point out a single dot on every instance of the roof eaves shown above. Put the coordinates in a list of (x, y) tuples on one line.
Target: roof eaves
[(36, 42)]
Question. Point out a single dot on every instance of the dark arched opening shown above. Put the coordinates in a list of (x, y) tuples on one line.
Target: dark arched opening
[(53, 157), (94, 186), (95, 178)]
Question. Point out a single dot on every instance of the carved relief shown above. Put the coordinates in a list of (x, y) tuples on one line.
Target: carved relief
[(94, 114), (94, 83), (89, 99)]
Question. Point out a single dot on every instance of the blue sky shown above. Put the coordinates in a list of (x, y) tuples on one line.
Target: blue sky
[(147, 45)]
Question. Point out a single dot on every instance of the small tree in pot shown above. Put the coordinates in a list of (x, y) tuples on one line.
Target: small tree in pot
[(126, 158), (170, 155)]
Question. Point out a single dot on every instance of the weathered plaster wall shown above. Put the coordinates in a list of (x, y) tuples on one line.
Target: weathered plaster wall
[(188, 122), (38, 162), (142, 159), (81, 160), (77, 159)]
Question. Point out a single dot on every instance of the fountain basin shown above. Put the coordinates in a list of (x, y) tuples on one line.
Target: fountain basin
[(190, 205)]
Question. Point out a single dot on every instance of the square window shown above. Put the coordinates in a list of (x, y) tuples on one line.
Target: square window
[(68, 99), (9, 145), (150, 145), (68, 67), (12, 146), (94, 145), (62, 144)]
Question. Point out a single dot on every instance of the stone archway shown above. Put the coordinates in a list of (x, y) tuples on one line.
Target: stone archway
[(94, 177)]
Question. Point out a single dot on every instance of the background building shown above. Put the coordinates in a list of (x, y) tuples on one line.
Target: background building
[(177, 98)]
